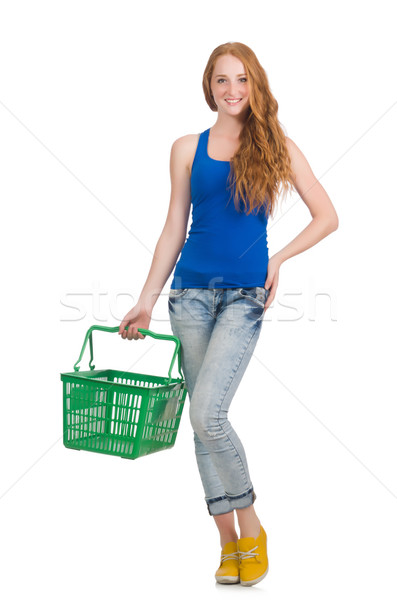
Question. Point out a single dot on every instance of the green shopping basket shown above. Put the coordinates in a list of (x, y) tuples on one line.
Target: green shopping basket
[(120, 413)]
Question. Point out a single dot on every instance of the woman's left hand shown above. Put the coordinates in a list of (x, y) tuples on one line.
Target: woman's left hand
[(271, 282)]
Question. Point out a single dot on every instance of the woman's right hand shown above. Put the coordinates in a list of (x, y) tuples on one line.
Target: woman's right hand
[(136, 318)]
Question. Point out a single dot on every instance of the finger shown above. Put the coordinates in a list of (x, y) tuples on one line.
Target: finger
[(132, 333), (139, 334), (122, 326)]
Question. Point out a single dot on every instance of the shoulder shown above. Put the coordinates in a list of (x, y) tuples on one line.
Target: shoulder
[(186, 142), (292, 148), (296, 154), (183, 149), (299, 163)]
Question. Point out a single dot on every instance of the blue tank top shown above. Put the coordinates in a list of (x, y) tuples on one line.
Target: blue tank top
[(224, 248)]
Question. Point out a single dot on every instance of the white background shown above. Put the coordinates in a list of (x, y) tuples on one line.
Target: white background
[(92, 96)]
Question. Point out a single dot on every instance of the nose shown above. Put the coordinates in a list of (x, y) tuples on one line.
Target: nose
[(232, 90)]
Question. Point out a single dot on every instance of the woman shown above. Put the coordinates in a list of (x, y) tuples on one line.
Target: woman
[(224, 280)]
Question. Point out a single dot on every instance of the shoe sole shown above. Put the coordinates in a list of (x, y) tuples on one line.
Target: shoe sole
[(227, 579), (254, 581)]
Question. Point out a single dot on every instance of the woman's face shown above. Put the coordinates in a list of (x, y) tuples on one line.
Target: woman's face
[(229, 82)]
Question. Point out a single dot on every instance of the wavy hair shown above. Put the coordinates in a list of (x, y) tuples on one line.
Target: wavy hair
[(261, 166)]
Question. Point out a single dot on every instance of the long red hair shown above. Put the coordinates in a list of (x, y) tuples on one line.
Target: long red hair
[(261, 166)]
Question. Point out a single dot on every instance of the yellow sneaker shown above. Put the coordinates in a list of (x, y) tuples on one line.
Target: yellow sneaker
[(228, 571), (253, 559)]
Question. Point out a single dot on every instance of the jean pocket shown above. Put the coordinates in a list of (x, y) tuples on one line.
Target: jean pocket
[(177, 293), (267, 292), (257, 295)]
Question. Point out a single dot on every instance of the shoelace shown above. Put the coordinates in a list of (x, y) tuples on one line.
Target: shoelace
[(248, 554), (225, 557)]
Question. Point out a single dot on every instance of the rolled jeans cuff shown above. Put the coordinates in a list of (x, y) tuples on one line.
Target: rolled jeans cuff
[(227, 503)]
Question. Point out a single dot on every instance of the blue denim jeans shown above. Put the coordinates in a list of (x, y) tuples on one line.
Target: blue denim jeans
[(218, 329)]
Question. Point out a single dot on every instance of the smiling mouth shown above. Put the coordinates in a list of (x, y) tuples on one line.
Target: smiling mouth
[(236, 101)]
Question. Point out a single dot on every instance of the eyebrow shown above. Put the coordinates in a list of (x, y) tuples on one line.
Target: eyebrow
[(223, 75)]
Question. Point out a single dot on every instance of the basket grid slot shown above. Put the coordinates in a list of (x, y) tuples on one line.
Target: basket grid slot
[(87, 415), (125, 413)]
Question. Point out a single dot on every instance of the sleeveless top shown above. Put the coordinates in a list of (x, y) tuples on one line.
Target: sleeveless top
[(224, 248)]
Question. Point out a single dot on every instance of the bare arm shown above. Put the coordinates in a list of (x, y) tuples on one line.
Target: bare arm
[(324, 218), (169, 245)]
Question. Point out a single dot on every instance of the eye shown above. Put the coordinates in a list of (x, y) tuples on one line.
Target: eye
[(243, 79)]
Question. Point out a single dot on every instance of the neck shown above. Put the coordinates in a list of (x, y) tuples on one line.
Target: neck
[(228, 126)]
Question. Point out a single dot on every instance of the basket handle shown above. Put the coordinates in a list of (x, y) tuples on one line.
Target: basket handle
[(158, 336)]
